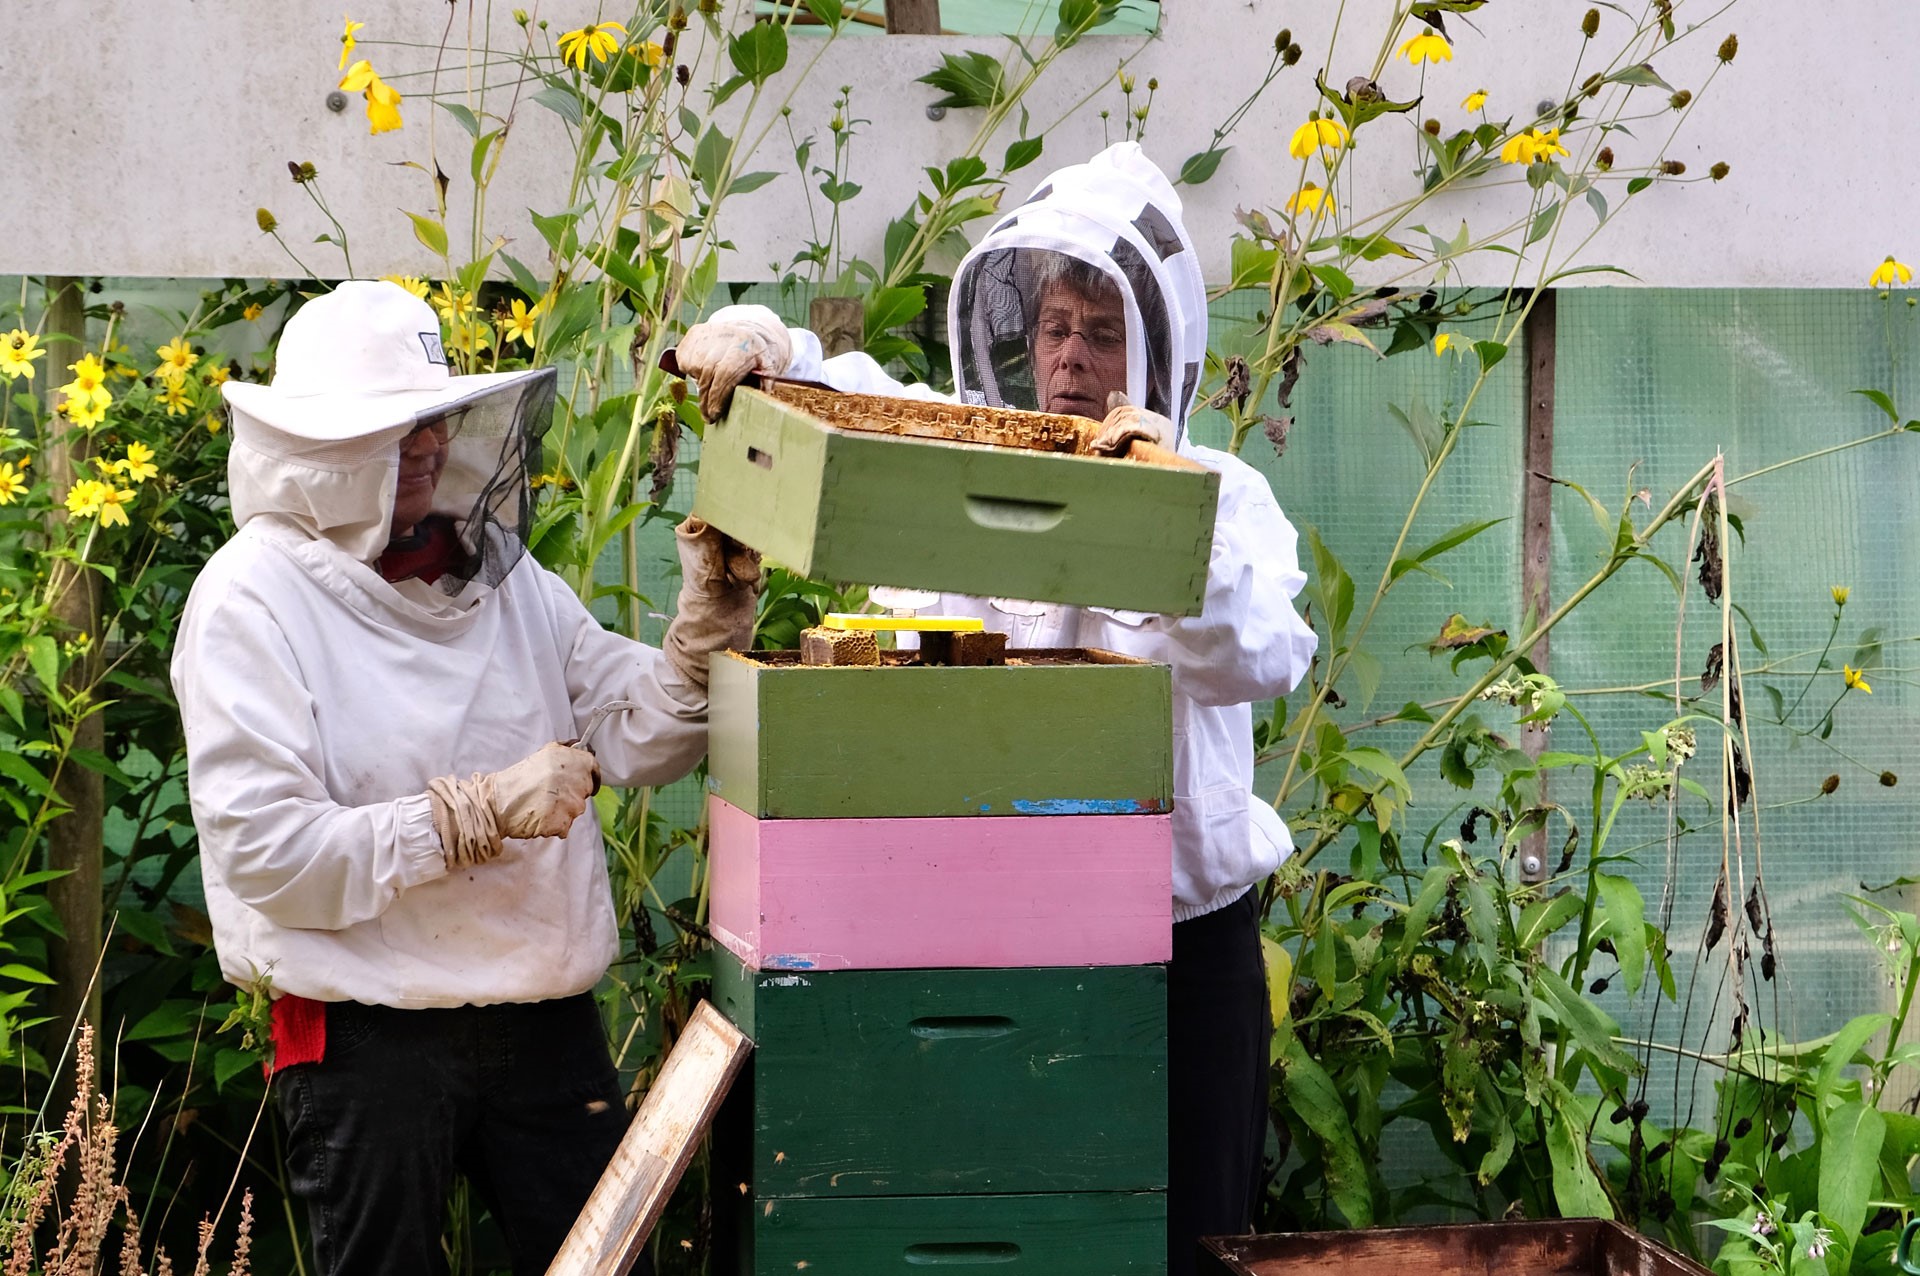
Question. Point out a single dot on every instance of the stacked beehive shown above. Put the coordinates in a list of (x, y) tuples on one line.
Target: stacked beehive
[(942, 895)]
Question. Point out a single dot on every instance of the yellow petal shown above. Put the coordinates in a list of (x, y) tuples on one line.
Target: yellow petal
[(358, 76)]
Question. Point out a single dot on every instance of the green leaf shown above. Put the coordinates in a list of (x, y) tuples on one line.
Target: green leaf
[(562, 101), (460, 113), (1022, 153), (1588, 1027), (968, 80), (1576, 1189), (430, 232), (25, 974), (1846, 1043), (1849, 1166), (481, 146), (44, 656), (1880, 400), (1433, 892), (1077, 17), (1543, 222), (1545, 916), (229, 1063), (557, 230), (1451, 540), (828, 11), (1490, 352), (760, 51), (1638, 184), (1626, 924), (1426, 429), (1316, 1101), (1201, 165), (1640, 77), (751, 182), (172, 1018), (1597, 202), (1331, 588), (891, 307), (18, 768), (710, 158)]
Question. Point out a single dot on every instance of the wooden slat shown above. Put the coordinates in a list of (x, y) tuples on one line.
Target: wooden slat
[(913, 17), (1548, 1247), (613, 1227), (1536, 535)]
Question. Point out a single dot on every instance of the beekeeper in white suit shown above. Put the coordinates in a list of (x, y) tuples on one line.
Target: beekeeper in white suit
[(1090, 289), (375, 677)]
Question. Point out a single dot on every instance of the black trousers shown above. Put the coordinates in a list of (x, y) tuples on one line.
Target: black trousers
[(1218, 1033), (522, 1099)]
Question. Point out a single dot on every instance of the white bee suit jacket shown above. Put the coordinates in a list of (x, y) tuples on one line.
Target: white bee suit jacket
[(319, 700), (1248, 643)]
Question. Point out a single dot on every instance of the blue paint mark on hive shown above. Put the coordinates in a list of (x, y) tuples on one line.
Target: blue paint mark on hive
[(781, 961), (1084, 806)]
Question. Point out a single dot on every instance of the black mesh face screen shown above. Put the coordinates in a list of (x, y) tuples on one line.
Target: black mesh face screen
[(484, 490)]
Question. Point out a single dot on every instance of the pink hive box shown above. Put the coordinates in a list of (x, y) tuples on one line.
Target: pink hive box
[(880, 894)]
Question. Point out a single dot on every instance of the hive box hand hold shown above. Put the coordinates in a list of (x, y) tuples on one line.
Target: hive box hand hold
[(910, 498)]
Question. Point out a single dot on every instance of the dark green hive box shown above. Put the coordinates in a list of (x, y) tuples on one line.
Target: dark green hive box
[(931, 1082), (1063, 733), (958, 517)]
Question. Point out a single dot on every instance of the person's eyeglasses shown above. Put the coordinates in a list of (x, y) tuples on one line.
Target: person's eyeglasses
[(445, 426)]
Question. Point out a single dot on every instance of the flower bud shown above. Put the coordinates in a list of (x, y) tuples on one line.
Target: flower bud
[(520, 16), (1680, 99), (1590, 25), (1729, 47), (1830, 784), (1889, 779), (1292, 55), (1590, 86), (1432, 128), (1281, 41), (1140, 113), (265, 221), (682, 76), (1719, 171), (1672, 168), (1126, 82), (1153, 84), (1604, 159), (302, 173)]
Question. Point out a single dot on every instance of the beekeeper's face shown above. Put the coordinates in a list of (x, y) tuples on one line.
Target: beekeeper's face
[(1079, 349), (423, 455)]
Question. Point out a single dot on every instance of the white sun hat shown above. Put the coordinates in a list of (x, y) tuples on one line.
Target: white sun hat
[(356, 370), (360, 360)]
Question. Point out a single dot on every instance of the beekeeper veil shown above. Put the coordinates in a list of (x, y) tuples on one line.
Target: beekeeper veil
[(361, 383), (1095, 268)]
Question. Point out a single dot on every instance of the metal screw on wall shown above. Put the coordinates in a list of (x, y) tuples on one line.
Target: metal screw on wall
[(936, 113), (1532, 869), (336, 101)]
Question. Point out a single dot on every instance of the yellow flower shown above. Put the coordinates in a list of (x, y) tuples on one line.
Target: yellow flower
[(1428, 46), (177, 401), (113, 502), (554, 478), (83, 498), (1890, 272), (347, 42), (1840, 593), (1442, 342), (412, 283), (12, 483), (86, 396), (137, 465), (217, 374), (1311, 199), (18, 350), (1314, 134), (1532, 147), (213, 423), (252, 312), (449, 305), (383, 101), (470, 335), (519, 325), (597, 40), (84, 411), (176, 360), (1475, 100), (652, 54), (1856, 679)]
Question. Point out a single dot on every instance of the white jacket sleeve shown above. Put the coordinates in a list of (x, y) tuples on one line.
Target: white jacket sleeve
[(655, 744), (268, 825), (1248, 643), (850, 373)]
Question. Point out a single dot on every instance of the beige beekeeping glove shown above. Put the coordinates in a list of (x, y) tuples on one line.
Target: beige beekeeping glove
[(735, 341), (720, 580), (539, 796), (1125, 423)]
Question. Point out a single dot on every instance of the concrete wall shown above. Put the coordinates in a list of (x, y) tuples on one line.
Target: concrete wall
[(140, 135)]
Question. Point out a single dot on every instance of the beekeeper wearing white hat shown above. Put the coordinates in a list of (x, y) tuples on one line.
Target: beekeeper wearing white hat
[(1088, 290), (374, 677)]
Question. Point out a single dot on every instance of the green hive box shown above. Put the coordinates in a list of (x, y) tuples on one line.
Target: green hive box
[(926, 1082), (964, 518), (1050, 733)]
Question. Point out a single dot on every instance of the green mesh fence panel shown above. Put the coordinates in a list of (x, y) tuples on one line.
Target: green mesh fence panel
[(1652, 384)]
